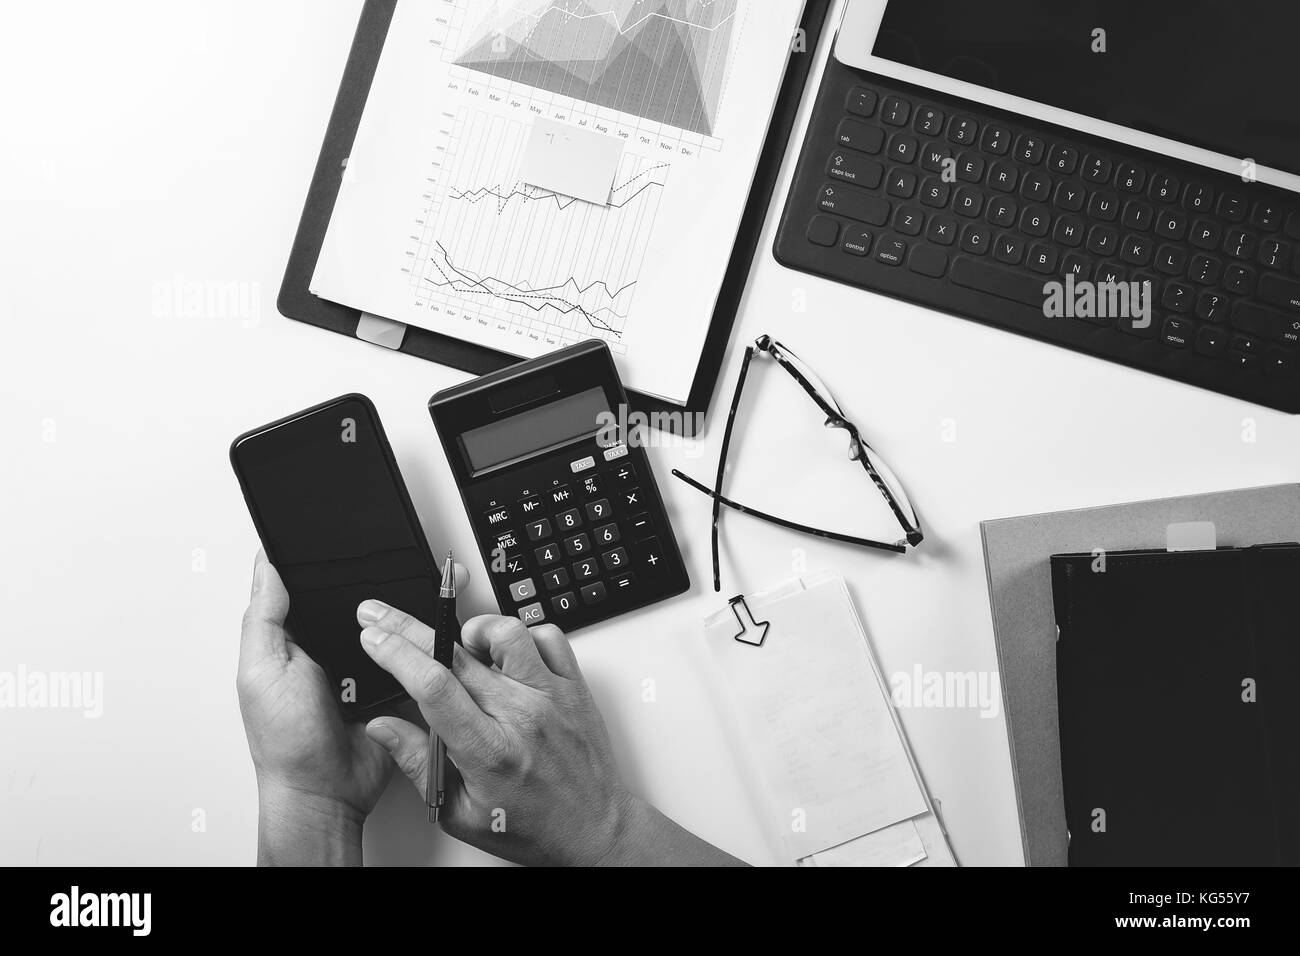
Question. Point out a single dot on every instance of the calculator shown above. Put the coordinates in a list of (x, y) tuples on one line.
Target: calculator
[(563, 504)]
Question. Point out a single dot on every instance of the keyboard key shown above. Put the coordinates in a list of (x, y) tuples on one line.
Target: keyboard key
[(1096, 169), (1063, 159), (895, 111), (1280, 362), (1042, 258), (1029, 149), (969, 202), (1274, 254), (564, 603), (1239, 244), (933, 157), (976, 239), (854, 204), (1280, 291), (1246, 363), (861, 101), (891, 251), (909, 221), (1239, 279), (935, 192), (1068, 231), (928, 261), (1197, 197), (1003, 177), (555, 580), (1108, 273), (1069, 196), (1205, 270), (857, 241), (1171, 224), (1102, 241), (1130, 178), (1170, 260), (533, 614), (942, 229), (970, 167), (902, 149), (1035, 221), (863, 137), (995, 280), (929, 121), (1164, 188), (1077, 266), (851, 168), (594, 593), (1211, 341), (1176, 333), (1035, 187), (962, 130), (996, 140), (1177, 298), (1103, 206), (1136, 250), (1009, 249), (1265, 216), (1212, 307), (901, 184), (1247, 344), (1002, 212), (1292, 228), (823, 231), (1137, 216), (1232, 207)]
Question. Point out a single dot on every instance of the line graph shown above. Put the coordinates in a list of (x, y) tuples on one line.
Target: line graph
[(664, 61), (525, 260)]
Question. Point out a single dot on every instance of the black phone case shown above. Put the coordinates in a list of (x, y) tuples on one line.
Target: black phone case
[(388, 704)]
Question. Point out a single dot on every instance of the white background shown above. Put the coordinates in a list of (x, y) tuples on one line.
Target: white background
[(147, 143)]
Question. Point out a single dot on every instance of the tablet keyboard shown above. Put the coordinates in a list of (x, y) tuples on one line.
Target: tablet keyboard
[(974, 211)]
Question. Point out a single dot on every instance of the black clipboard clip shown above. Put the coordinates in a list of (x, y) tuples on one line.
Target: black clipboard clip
[(758, 635)]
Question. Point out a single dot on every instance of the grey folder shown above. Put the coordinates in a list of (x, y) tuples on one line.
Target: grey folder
[(1016, 556)]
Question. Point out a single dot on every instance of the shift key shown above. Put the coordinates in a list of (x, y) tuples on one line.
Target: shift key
[(854, 204)]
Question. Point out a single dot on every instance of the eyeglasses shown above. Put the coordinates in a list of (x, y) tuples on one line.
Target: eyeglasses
[(882, 476)]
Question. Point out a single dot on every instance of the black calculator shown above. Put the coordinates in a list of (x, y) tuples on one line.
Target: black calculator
[(564, 506)]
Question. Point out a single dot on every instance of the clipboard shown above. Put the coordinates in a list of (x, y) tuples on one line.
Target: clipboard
[(296, 301)]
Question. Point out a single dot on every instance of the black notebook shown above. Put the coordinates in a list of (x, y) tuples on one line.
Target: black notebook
[(1177, 680)]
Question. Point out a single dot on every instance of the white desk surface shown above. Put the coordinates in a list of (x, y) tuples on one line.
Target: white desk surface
[(161, 143)]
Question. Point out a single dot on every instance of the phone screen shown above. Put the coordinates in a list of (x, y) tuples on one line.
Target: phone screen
[(336, 521)]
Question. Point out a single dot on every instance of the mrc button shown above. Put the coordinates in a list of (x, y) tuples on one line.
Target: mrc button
[(498, 516)]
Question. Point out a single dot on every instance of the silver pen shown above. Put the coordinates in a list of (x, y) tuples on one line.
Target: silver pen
[(446, 637)]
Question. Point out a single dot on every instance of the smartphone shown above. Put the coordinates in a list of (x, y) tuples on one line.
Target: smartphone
[(337, 522)]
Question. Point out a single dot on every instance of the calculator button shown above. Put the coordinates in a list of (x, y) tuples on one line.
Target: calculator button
[(510, 564), (556, 579), (615, 560), (608, 534), (598, 510), (583, 464), (548, 555), (586, 570), (523, 590), (564, 603), (615, 453), (569, 520), (560, 495), (577, 545), (533, 614), (632, 498), (623, 583), (593, 593), (539, 530), (651, 556), (592, 485), (643, 526), (507, 540), (625, 473), (530, 505), (497, 517)]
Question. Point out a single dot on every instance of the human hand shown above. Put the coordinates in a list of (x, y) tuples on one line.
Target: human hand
[(534, 777), (318, 777)]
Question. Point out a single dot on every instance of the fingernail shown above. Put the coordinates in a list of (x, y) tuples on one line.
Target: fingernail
[(259, 573), (373, 636), (371, 612), (382, 734)]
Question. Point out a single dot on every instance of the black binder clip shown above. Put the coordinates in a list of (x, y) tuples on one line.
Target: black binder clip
[(758, 635)]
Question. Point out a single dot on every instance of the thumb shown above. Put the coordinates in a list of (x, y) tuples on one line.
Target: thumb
[(407, 744)]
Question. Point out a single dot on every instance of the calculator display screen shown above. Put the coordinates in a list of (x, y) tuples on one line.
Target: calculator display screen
[(1209, 73), (534, 431)]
